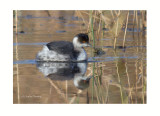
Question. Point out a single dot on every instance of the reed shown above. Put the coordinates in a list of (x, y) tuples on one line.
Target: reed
[(124, 39), (121, 93), (75, 96), (141, 67), (58, 90), (107, 96), (48, 13), (85, 22), (133, 22), (119, 79), (66, 89), (98, 88), (137, 23), (93, 72), (136, 72), (115, 25), (112, 14), (92, 30), (77, 101), (87, 97), (116, 34), (17, 56), (128, 78), (97, 94)]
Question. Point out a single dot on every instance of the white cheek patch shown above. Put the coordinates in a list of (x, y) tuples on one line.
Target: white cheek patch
[(76, 43)]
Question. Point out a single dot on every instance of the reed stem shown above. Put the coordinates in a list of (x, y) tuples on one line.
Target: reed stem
[(17, 58), (125, 30), (93, 81), (91, 18), (116, 34)]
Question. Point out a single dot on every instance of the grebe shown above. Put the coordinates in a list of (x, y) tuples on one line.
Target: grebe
[(64, 50)]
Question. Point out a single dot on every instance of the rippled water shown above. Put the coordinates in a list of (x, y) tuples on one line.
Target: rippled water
[(109, 76)]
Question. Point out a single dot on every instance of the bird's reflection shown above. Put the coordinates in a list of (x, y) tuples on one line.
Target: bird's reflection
[(66, 71)]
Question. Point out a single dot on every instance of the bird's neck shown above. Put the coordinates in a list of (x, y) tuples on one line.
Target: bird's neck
[(82, 54)]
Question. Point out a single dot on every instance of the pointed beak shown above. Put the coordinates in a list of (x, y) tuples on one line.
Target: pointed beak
[(89, 45), (89, 78)]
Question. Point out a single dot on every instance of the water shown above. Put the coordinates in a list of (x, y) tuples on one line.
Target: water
[(113, 76)]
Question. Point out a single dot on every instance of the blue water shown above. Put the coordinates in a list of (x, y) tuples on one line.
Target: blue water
[(25, 62), (60, 31), (52, 17), (91, 59), (42, 43)]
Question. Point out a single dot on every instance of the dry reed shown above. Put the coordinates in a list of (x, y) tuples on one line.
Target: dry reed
[(17, 58)]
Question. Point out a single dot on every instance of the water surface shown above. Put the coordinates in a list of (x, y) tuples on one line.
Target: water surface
[(114, 76)]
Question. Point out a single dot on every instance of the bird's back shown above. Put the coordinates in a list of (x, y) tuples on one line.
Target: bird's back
[(61, 47)]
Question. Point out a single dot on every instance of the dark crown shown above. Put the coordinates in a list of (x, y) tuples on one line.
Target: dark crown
[(82, 38)]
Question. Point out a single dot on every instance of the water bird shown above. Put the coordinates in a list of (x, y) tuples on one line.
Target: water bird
[(64, 50)]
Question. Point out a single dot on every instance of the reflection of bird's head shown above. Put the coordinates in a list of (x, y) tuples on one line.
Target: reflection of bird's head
[(82, 82)]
